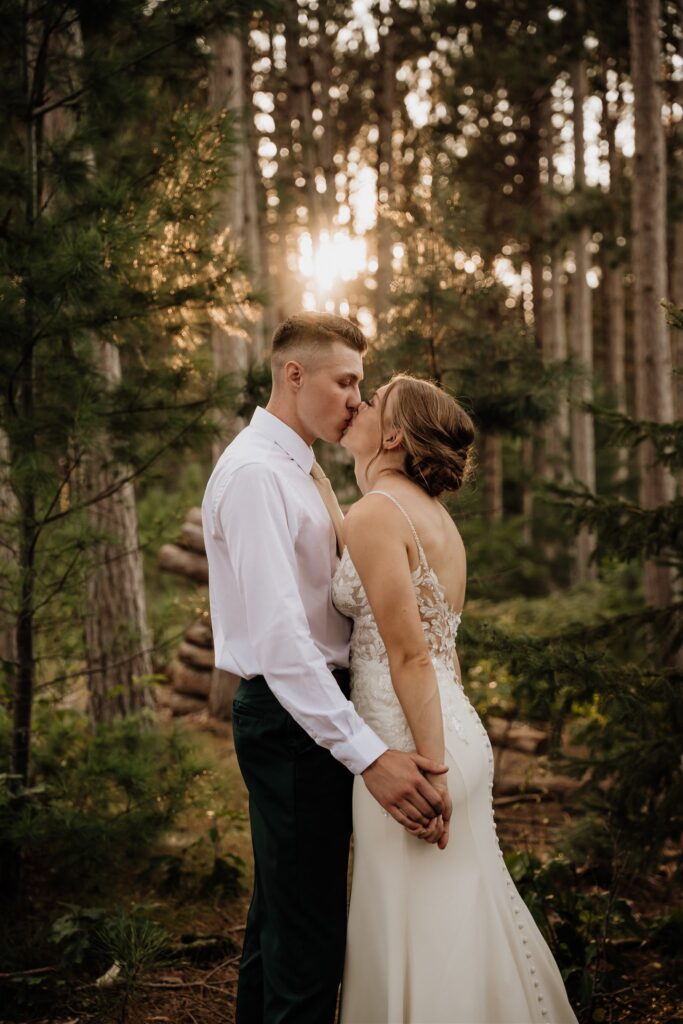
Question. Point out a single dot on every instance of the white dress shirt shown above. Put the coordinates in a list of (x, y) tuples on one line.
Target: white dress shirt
[(272, 554)]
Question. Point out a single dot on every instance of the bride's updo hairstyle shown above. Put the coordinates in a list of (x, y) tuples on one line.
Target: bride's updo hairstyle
[(437, 433)]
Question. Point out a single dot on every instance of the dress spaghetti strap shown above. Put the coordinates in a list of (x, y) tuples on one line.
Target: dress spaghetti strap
[(397, 503)]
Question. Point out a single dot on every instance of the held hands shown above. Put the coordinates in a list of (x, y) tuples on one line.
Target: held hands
[(398, 782), (437, 831)]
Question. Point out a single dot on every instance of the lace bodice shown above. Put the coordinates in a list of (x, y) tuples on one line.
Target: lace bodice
[(372, 691)]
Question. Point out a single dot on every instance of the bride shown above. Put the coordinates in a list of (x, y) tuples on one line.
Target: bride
[(437, 931)]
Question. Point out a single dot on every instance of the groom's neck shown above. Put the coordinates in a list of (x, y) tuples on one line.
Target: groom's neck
[(285, 412)]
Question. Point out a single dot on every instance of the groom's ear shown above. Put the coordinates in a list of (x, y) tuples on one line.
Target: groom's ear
[(293, 374)]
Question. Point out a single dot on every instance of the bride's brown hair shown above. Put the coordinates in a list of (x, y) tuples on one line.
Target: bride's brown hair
[(437, 433)]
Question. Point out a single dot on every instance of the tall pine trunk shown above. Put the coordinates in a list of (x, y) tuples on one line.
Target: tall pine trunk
[(581, 340), (34, 60), (301, 112), (323, 61), (226, 93), (117, 638), (491, 455), (385, 111), (8, 557), (652, 350), (253, 242), (557, 432), (235, 216), (676, 268), (613, 296)]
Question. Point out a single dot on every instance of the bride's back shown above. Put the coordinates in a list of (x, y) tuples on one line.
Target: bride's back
[(438, 534)]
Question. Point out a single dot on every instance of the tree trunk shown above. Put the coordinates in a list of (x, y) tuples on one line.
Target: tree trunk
[(8, 557), (559, 432), (556, 434), (676, 268), (652, 350), (491, 449), (237, 214), (34, 58), (527, 465), (581, 338), (298, 64), (614, 311), (117, 638), (323, 64), (116, 634), (226, 92), (253, 243), (677, 298), (385, 111)]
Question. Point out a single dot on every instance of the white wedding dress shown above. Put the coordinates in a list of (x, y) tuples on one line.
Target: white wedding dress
[(435, 937)]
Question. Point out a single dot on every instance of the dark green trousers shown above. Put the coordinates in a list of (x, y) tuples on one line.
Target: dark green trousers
[(300, 812)]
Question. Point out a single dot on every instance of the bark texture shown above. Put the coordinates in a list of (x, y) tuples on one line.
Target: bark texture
[(581, 338), (491, 448), (386, 104), (652, 349), (117, 638), (8, 560), (230, 348), (614, 303), (238, 216)]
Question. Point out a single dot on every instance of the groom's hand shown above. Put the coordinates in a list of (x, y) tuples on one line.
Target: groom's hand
[(397, 782)]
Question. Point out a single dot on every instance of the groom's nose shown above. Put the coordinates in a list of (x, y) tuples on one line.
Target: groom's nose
[(355, 399)]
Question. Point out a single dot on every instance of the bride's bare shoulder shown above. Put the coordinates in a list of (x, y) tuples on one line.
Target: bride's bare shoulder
[(376, 518)]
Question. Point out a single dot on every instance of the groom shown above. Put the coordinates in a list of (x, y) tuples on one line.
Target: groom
[(272, 532)]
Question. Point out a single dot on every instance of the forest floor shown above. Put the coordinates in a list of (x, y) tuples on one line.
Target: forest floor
[(203, 992)]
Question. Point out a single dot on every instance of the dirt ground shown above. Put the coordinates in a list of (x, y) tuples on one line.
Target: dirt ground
[(205, 993)]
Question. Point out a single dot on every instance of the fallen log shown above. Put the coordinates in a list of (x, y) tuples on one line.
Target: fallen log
[(178, 703), (187, 563), (194, 656), (194, 515), (200, 633), (545, 786), (192, 537), (189, 680), (517, 736)]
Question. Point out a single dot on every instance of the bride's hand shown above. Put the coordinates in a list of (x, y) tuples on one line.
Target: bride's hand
[(432, 832), (442, 834)]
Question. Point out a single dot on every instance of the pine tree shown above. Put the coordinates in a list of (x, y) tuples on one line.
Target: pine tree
[(124, 256)]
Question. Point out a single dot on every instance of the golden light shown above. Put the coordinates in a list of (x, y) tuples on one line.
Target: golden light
[(338, 258)]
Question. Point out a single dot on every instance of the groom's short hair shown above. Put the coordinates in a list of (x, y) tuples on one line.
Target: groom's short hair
[(314, 331)]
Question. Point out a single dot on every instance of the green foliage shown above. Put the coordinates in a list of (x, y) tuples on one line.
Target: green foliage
[(580, 925), (98, 799), (112, 278), (74, 933), (255, 389), (627, 531), (134, 945)]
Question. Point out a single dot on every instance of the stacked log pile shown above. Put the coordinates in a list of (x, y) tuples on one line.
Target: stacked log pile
[(195, 683)]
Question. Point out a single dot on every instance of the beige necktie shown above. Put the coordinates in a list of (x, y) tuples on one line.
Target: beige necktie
[(331, 504)]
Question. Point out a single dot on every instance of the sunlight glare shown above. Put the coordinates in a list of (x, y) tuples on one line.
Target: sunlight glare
[(339, 258)]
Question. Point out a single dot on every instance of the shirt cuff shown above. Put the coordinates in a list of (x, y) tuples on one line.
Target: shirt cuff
[(359, 751)]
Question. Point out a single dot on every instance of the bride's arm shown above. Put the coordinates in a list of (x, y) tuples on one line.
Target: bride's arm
[(378, 539)]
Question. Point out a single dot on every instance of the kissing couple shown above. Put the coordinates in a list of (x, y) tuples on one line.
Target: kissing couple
[(351, 717)]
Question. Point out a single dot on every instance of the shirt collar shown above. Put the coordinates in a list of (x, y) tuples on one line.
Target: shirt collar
[(292, 443)]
